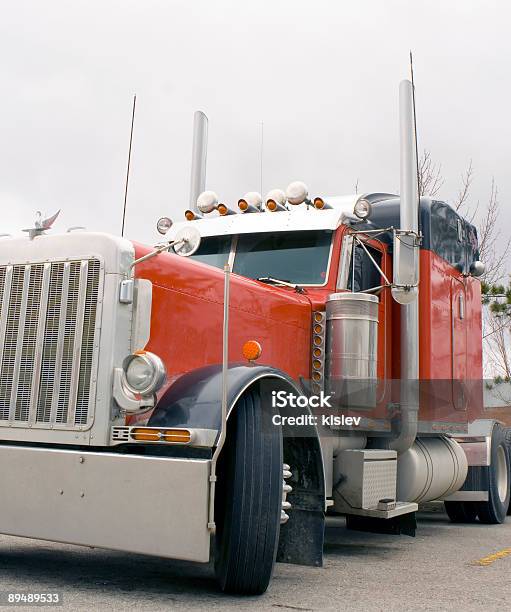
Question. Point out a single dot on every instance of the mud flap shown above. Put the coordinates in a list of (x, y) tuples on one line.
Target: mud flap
[(301, 538), (406, 524)]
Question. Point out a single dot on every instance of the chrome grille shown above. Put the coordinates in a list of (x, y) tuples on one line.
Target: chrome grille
[(48, 329)]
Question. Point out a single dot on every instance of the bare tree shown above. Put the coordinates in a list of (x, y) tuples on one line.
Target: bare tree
[(492, 252), (430, 175), (497, 357), (461, 201), (496, 340)]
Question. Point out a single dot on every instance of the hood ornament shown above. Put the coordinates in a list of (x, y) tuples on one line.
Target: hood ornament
[(41, 225)]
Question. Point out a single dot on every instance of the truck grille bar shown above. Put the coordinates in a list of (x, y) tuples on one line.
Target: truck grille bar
[(47, 342)]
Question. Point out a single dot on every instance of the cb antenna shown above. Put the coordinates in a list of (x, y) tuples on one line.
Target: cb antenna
[(129, 162), (415, 136)]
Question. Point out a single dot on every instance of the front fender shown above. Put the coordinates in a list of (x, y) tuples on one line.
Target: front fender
[(195, 399)]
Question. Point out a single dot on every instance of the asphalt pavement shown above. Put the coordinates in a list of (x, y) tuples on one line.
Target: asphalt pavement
[(445, 567)]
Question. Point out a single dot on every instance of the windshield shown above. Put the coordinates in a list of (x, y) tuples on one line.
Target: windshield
[(214, 250), (296, 257)]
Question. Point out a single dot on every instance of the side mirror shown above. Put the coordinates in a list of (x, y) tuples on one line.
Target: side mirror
[(186, 241), (477, 268), (405, 266)]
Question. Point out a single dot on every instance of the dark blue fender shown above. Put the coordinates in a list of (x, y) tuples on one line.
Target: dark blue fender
[(195, 401)]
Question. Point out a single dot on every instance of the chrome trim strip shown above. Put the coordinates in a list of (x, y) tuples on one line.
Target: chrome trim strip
[(60, 342), (19, 342), (232, 253), (344, 265), (5, 310), (467, 496), (39, 344), (77, 346)]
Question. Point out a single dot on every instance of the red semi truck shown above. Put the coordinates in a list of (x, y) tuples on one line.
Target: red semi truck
[(223, 393)]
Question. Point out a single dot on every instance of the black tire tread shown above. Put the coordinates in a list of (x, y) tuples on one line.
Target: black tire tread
[(507, 434), (493, 511), (247, 540)]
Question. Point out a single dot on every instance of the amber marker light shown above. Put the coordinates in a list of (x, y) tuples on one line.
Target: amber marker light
[(320, 204), (243, 205), (150, 434), (318, 317), (224, 210), (178, 436), (271, 205), (144, 434), (190, 215), (252, 350)]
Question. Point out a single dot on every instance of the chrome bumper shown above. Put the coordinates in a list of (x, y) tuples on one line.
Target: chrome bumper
[(149, 505)]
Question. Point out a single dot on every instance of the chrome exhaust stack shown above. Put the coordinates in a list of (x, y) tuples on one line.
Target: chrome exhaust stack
[(405, 289), (199, 155)]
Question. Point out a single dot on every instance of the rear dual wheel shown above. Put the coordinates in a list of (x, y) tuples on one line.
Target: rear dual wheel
[(248, 501), (508, 444), (493, 511)]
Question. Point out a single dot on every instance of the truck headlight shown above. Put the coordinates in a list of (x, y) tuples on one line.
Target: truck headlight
[(144, 372)]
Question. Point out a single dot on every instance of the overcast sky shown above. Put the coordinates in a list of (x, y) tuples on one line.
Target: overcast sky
[(322, 75)]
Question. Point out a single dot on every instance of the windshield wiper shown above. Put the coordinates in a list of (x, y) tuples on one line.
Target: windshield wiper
[(280, 281)]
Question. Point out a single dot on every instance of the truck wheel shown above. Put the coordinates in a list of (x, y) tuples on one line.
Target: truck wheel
[(248, 501), (495, 509), (508, 444), (461, 512)]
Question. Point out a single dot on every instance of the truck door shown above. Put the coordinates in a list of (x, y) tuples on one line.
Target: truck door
[(458, 343), (358, 272)]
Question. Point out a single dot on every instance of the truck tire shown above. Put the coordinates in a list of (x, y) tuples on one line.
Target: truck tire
[(508, 443), (248, 501), (495, 509), (461, 512)]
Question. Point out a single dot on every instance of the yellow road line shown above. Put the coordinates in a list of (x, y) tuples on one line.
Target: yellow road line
[(505, 552)]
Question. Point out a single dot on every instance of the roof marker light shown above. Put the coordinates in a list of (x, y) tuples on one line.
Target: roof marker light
[(225, 210), (275, 200), (207, 202), (250, 202), (320, 204), (297, 193), (273, 206), (190, 215)]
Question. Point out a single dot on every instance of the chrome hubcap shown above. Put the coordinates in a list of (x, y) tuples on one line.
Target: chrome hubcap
[(502, 474)]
